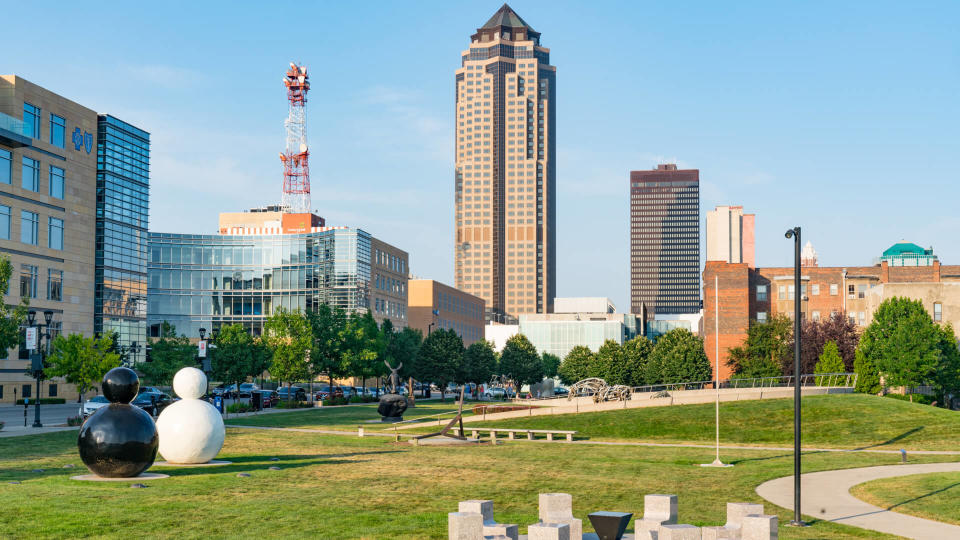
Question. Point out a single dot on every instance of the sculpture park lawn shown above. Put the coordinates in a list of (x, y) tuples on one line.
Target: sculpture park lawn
[(347, 418), (829, 421), (372, 488), (931, 496)]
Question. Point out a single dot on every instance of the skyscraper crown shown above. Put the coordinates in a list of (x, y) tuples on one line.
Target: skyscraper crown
[(506, 23)]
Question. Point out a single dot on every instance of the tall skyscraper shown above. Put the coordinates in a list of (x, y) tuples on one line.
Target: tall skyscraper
[(505, 215), (665, 241), (730, 235)]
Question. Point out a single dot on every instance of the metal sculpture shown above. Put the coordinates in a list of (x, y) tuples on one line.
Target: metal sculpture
[(600, 390), (616, 392), (445, 432)]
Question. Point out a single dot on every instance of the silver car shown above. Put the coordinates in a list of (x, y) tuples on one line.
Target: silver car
[(91, 405)]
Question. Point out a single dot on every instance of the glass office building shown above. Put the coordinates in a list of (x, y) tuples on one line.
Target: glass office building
[(206, 281), (558, 333), (123, 203)]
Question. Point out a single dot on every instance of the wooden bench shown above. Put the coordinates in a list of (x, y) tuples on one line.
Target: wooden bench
[(511, 433)]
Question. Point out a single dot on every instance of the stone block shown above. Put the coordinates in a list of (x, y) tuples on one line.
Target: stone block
[(482, 507), (678, 532), (555, 507), (464, 526), (718, 533), (737, 511), (661, 508), (502, 530), (759, 527), (549, 531)]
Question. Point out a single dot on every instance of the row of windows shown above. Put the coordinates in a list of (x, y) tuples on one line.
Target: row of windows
[(30, 177), (30, 282), (26, 391), (30, 228)]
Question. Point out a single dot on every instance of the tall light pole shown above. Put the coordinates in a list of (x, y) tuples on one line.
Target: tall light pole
[(795, 234), (38, 356)]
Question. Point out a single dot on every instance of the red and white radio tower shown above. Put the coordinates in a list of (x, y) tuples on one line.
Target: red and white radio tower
[(296, 171)]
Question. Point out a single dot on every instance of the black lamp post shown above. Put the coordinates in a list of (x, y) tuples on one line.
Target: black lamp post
[(205, 361), (795, 234), (38, 356)]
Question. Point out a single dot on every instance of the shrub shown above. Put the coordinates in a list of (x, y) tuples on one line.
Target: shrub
[(356, 399), (45, 401), (830, 362), (284, 404), (334, 401), (74, 421), (868, 376), (239, 408)]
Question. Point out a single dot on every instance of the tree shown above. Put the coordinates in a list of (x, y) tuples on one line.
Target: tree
[(440, 357), (289, 337), (363, 346), (520, 362), (747, 366), (238, 355), (830, 362), (81, 361), (678, 357), (328, 332), (636, 354), (902, 341), (551, 364), (168, 355), (837, 328), (576, 365), (479, 364), (403, 347), (608, 362), (946, 378), (767, 350), (10, 319), (868, 376)]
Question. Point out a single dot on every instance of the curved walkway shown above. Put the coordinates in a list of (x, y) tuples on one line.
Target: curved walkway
[(826, 495)]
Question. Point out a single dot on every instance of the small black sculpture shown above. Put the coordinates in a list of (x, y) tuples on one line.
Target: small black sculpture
[(119, 440), (391, 407)]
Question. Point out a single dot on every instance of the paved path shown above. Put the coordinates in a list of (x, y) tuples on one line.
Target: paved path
[(826, 495)]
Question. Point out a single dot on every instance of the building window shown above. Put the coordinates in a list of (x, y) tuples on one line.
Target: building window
[(56, 182), (29, 227), (815, 315), (761, 293), (26, 391), (851, 291), (834, 289), (863, 318), (861, 291), (782, 292), (31, 117), (57, 131), (54, 285), (4, 222), (791, 292), (853, 317), (31, 174), (29, 274), (937, 311), (761, 316), (53, 390), (815, 289), (55, 233), (6, 166)]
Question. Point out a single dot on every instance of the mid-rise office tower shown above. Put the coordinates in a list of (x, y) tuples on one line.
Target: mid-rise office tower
[(505, 215), (665, 241)]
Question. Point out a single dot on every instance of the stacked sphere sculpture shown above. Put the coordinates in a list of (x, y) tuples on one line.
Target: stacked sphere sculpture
[(191, 430)]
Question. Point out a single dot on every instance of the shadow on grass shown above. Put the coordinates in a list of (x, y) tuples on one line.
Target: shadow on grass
[(899, 437), (766, 458), (925, 495)]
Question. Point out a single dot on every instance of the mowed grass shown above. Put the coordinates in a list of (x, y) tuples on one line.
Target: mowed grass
[(336, 487), (932, 496), (345, 418), (829, 421)]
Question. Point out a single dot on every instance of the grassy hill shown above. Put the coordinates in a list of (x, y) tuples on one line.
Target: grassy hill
[(830, 421)]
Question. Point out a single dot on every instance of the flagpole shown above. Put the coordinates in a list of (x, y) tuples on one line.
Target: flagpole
[(716, 356)]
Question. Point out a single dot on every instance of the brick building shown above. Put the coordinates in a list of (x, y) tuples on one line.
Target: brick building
[(748, 295)]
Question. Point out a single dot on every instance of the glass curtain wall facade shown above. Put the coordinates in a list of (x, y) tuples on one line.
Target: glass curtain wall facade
[(560, 336), (123, 204), (665, 241), (206, 281)]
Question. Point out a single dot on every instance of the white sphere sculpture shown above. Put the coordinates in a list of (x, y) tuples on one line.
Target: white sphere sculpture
[(191, 430)]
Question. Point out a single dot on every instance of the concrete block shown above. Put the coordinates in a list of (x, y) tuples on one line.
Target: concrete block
[(737, 511), (661, 508), (464, 526), (718, 533), (759, 527), (549, 531), (555, 507), (678, 532), (477, 506), (529, 435), (502, 530)]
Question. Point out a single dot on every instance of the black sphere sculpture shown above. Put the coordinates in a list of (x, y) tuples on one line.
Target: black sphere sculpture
[(119, 440), (391, 407)]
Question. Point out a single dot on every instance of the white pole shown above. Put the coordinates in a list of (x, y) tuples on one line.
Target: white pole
[(716, 383)]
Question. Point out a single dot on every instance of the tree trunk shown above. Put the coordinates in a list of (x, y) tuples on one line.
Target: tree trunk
[(330, 390)]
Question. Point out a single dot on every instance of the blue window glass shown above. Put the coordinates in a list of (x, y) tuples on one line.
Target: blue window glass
[(5, 222), (55, 233), (31, 117), (58, 130), (56, 182), (31, 174), (6, 166), (29, 226)]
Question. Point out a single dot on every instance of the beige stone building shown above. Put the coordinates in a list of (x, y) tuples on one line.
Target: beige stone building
[(434, 305), (505, 190), (48, 166)]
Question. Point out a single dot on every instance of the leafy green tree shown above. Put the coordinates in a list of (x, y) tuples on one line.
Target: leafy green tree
[(837, 328), (168, 355), (520, 362), (551, 364), (403, 347), (636, 354), (946, 378), (328, 330), (479, 364), (440, 357), (289, 336), (612, 366), (767, 351), (748, 366), (678, 357), (238, 355), (830, 362), (81, 361), (576, 365), (363, 346), (902, 341), (10, 319), (868, 376)]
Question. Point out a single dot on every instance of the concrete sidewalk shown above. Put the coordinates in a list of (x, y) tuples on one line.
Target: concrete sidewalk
[(826, 495), (20, 431)]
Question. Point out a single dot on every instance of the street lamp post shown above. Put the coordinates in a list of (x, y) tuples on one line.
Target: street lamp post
[(795, 234), (39, 354)]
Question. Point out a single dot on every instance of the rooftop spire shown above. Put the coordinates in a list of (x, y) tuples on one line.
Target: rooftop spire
[(507, 24)]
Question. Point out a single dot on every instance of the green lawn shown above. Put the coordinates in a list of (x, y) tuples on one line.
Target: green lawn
[(346, 418), (932, 496), (831, 421), (346, 487)]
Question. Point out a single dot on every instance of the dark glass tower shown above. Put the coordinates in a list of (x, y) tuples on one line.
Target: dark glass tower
[(123, 203), (665, 241)]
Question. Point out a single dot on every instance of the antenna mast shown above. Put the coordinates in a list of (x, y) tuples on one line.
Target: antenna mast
[(296, 172)]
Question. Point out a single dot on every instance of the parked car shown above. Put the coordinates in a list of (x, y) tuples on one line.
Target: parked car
[(91, 405), (268, 398), (295, 393), (152, 402), (245, 389), (494, 392), (557, 391)]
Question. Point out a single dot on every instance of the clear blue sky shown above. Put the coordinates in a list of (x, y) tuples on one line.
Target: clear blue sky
[(841, 117)]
